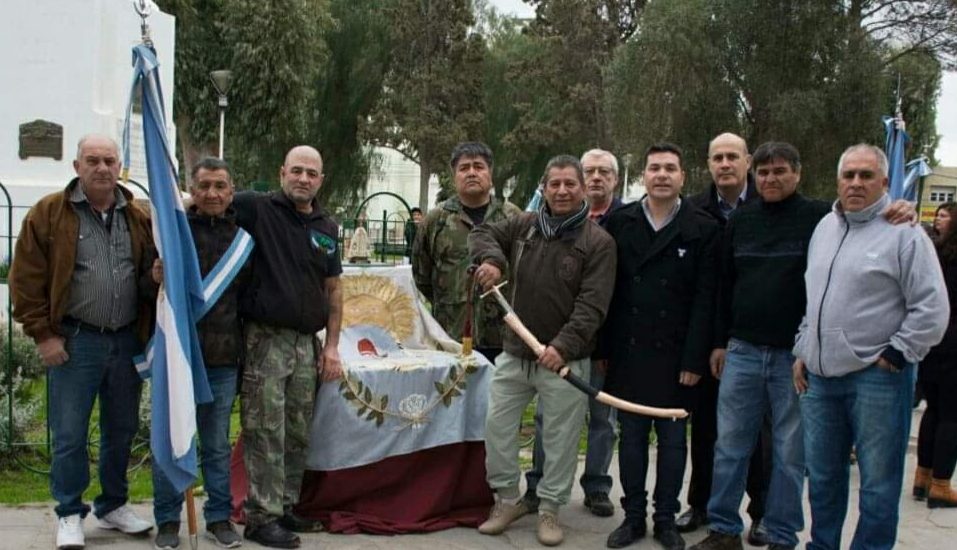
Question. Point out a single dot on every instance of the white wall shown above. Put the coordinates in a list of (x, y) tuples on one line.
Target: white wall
[(68, 62)]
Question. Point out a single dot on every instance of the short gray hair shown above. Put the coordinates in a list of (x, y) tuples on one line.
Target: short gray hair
[(882, 164), (88, 137), (602, 153)]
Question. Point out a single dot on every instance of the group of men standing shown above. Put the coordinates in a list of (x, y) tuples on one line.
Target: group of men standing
[(696, 303), (754, 307), (84, 281)]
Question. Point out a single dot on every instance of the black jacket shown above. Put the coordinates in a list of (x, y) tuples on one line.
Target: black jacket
[(940, 365), (763, 256), (662, 310), (294, 255), (707, 200)]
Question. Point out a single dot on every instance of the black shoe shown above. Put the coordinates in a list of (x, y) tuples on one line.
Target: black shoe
[(691, 520), (599, 504), (757, 535), (167, 536), (719, 541), (531, 501), (780, 547), (669, 538), (627, 533), (299, 524), (272, 535), (223, 533)]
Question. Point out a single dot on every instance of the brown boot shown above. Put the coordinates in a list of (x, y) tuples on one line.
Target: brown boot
[(921, 482), (941, 494)]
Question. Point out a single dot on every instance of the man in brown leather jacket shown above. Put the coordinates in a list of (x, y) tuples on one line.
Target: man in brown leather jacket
[(74, 287)]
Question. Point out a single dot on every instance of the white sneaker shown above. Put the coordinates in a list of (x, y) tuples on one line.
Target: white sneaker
[(69, 533), (125, 519)]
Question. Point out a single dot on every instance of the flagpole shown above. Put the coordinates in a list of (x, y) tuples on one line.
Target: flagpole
[(191, 518), (144, 8)]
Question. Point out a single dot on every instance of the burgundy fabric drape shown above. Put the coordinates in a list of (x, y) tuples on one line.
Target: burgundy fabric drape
[(420, 492)]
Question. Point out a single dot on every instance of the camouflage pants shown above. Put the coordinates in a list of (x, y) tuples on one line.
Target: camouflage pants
[(278, 394)]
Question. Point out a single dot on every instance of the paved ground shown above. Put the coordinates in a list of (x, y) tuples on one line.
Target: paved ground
[(29, 527)]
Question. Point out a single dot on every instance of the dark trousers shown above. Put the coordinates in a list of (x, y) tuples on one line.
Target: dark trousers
[(937, 439), (633, 463), (704, 433)]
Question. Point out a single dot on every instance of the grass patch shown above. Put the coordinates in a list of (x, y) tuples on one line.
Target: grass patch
[(19, 486)]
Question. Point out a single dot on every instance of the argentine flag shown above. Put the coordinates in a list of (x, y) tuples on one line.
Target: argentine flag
[(178, 373)]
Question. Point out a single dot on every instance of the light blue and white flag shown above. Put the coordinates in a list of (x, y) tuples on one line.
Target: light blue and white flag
[(178, 374), (915, 169), (895, 147)]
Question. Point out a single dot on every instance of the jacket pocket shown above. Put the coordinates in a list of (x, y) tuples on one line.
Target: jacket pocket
[(837, 353)]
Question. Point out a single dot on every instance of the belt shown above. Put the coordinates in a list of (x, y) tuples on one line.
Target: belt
[(70, 321)]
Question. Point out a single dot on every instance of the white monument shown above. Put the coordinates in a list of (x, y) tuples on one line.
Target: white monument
[(70, 64)]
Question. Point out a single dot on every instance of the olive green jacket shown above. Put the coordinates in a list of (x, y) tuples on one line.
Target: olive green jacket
[(440, 258)]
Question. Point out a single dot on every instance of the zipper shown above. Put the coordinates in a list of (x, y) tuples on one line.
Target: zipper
[(518, 259), (827, 286)]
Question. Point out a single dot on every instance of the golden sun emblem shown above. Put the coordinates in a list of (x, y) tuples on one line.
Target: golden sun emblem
[(375, 300)]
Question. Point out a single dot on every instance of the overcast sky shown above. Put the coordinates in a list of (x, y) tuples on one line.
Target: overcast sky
[(946, 104)]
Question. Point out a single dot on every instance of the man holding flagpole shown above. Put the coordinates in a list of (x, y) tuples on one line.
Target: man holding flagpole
[(294, 293), (222, 249), (74, 289)]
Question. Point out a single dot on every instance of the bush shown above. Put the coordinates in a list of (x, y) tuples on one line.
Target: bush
[(17, 374)]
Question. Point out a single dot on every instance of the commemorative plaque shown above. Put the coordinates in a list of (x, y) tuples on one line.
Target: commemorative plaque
[(41, 138)]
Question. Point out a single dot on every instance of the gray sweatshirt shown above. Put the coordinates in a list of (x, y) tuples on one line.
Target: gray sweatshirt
[(870, 285)]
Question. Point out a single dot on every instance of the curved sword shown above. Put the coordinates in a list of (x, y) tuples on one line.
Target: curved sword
[(519, 328)]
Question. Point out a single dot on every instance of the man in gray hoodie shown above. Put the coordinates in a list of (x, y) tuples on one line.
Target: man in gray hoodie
[(876, 304)]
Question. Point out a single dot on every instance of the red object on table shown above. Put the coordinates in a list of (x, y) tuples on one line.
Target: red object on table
[(420, 492)]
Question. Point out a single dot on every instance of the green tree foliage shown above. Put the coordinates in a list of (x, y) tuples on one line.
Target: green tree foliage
[(810, 73), (348, 87), (920, 76), (432, 93), (421, 75), (668, 84), (274, 50), (544, 85), (806, 76)]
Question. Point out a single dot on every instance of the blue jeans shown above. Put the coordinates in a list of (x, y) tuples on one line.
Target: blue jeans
[(633, 463), (871, 410), (212, 423), (601, 445), (757, 379), (99, 365)]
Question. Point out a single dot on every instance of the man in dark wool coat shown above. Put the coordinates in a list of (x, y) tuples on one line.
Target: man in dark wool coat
[(657, 335)]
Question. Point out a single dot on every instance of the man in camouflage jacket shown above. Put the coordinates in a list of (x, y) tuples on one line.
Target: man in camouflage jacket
[(440, 254)]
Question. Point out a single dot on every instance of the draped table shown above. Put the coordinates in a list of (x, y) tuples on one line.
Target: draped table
[(396, 445)]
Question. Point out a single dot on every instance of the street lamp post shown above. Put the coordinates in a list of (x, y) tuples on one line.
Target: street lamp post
[(627, 161), (221, 81)]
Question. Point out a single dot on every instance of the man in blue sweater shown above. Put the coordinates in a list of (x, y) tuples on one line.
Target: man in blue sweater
[(876, 304)]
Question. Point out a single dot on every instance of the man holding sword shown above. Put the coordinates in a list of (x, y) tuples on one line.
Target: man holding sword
[(563, 269)]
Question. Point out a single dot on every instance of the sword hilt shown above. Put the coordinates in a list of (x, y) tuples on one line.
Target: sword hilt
[(499, 297)]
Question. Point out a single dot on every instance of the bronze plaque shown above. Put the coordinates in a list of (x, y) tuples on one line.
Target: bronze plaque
[(41, 138)]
